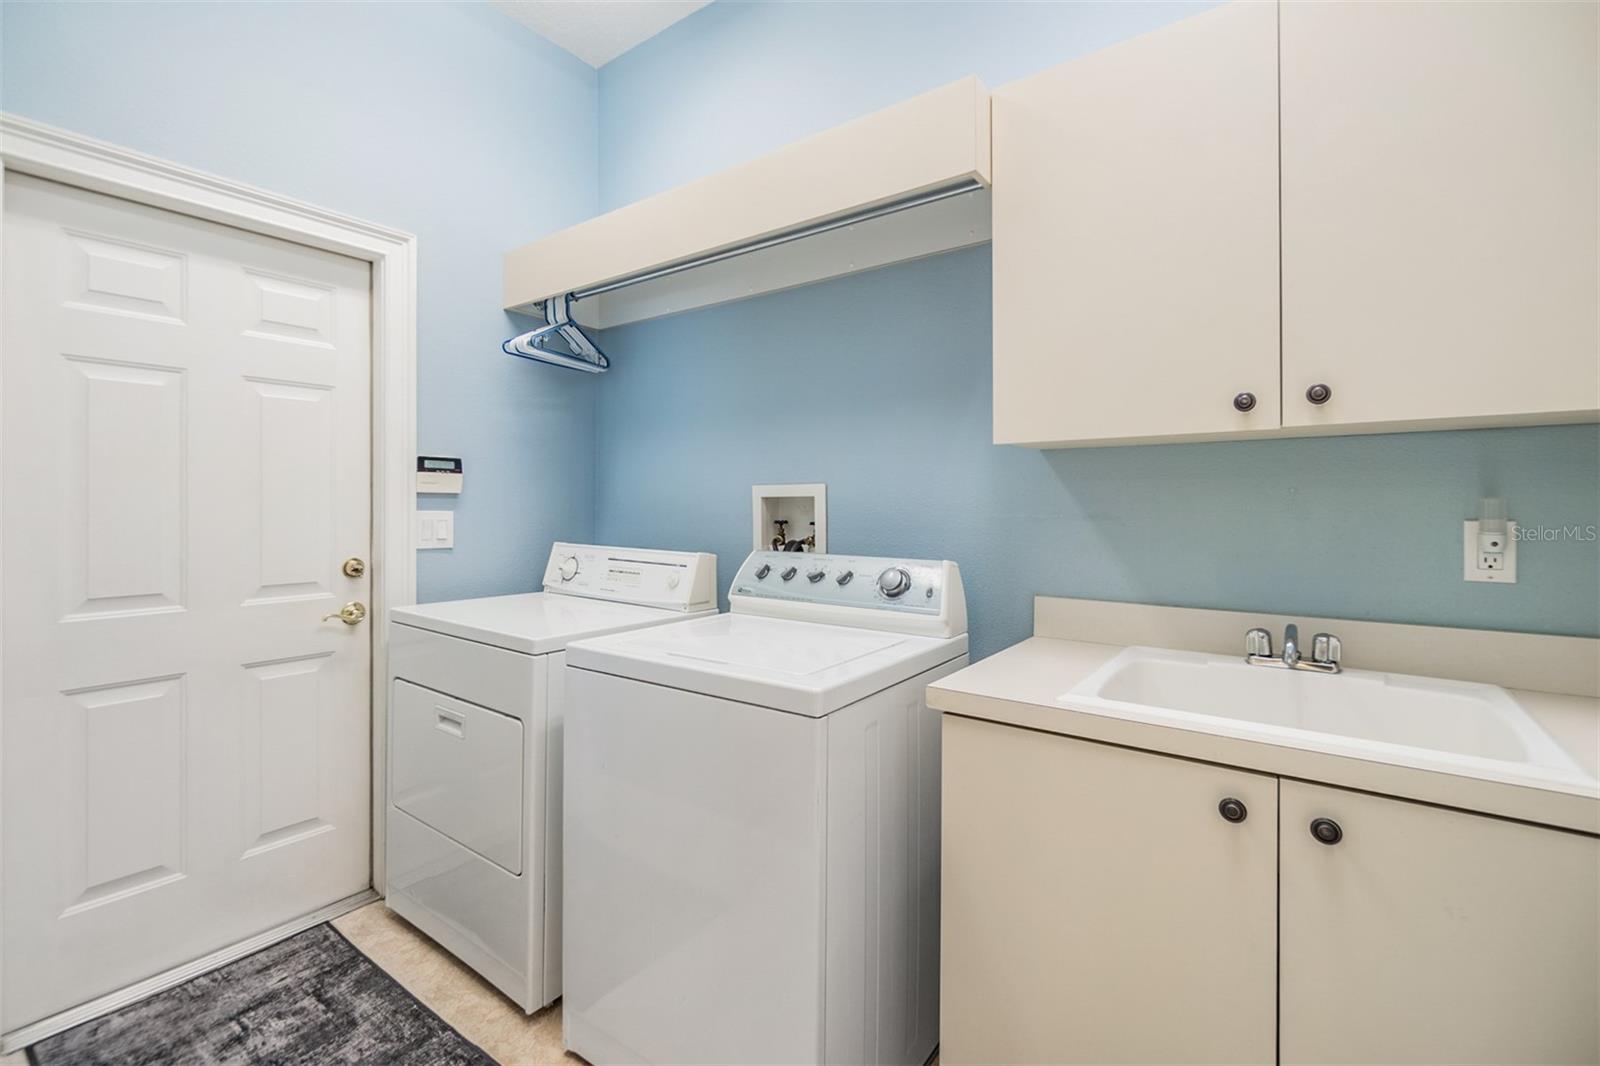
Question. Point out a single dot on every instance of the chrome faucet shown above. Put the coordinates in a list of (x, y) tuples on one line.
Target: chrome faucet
[(1326, 651)]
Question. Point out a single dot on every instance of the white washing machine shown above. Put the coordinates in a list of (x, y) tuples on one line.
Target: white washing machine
[(752, 821), (477, 700)]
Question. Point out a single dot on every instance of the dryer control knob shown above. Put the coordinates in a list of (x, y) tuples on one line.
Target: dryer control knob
[(844, 578), (569, 568), (894, 582), (762, 571), (816, 575), (788, 575)]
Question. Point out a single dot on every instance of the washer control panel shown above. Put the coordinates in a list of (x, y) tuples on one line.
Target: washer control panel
[(842, 588), (682, 581)]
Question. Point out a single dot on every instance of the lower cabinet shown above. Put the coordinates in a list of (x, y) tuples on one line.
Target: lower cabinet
[(1432, 935), (1097, 907), (1106, 905)]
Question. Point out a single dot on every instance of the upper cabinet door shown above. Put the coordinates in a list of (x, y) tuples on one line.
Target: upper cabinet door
[(1136, 238), (1439, 213)]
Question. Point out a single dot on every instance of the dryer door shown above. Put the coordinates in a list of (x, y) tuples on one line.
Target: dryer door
[(457, 768)]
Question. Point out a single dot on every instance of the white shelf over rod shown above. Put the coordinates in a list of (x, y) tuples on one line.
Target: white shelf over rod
[(902, 183)]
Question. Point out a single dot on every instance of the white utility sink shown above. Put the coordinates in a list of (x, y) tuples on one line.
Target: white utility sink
[(1451, 726)]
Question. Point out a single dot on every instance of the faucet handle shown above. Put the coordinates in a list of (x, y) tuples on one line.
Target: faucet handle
[(1325, 648), (1258, 642)]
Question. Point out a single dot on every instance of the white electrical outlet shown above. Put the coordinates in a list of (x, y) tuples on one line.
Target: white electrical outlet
[(436, 529), (1479, 560)]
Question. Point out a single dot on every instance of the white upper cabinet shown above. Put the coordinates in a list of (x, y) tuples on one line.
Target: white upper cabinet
[(1439, 213), (1135, 215), (1438, 198)]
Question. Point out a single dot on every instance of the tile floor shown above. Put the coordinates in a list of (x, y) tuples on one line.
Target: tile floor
[(458, 995)]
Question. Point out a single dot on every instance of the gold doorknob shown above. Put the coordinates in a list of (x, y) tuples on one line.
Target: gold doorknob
[(352, 613), (354, 567)]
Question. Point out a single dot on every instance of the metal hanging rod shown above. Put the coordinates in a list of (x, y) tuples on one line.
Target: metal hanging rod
[(582, 353), (798, 233)]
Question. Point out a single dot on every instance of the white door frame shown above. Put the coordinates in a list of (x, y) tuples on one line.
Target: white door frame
[(29, 147)]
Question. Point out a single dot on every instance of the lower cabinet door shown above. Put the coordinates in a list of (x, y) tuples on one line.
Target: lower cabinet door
[(1416, 934), (1097, 906)]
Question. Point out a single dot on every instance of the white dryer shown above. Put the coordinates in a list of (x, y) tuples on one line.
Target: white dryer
[(476, 706), (752, 821)]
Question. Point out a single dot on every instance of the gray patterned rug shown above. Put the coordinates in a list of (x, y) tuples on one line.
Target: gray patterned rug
[(310, 999)]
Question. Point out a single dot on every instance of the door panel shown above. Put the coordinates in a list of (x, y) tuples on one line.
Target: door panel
[(186, 429), (1136, 237), (123, 278), (123, 494), (1098, 908), (1440, 240), (295, 531), (121, 790), (1428, 935), (280, 757)]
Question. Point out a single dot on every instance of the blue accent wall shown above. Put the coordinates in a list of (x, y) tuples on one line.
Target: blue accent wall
[(422, 116), (879, 385), (742, 77)]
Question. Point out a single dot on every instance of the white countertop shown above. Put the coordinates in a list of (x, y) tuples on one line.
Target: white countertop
[(1022, 686)]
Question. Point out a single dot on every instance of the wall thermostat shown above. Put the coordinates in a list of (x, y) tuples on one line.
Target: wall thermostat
[(438, 474)]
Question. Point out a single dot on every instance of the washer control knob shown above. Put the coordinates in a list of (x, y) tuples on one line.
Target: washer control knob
[(569, 568), (844, 578), (788, 575), (762, 571), (816, 575), (894, 582)]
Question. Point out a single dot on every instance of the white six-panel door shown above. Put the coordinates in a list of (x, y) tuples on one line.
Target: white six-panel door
[(186, 448)]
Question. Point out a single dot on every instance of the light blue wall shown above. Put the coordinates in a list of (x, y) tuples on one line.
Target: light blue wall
[(879, 385), (740, 78), (426, 117)]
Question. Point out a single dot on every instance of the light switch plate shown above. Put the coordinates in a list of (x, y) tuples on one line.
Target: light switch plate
[(1475, 566), (436, 529)]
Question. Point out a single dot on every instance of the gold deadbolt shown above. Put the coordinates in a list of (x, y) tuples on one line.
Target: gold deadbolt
[(352, 613), (354, 567)]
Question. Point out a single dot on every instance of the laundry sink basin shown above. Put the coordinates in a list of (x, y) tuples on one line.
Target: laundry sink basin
[(1430, 723)]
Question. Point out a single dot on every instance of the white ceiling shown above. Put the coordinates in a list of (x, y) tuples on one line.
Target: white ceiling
[(598, 31)]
